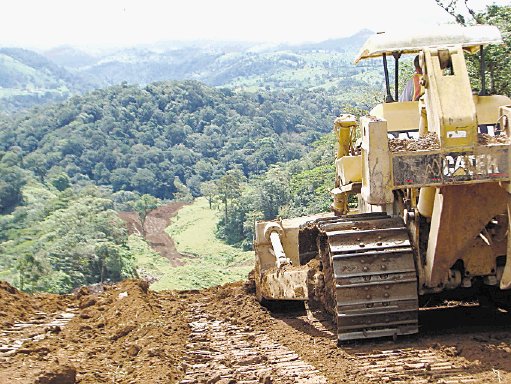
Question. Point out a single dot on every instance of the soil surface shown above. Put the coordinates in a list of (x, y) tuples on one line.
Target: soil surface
[(16, 306), (485, 139), (430, 142), (125, 333), (154, 230)]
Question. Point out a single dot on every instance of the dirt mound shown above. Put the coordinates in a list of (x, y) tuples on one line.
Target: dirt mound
[(124, 334), (154, 230), (236, 302), (14, 305), (17, 306), (286, 323), (428, 142)]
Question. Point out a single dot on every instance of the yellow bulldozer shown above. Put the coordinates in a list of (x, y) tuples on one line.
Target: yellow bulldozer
[(431, 178)]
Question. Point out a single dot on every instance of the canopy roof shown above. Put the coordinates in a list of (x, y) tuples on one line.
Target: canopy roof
[(470, 38)]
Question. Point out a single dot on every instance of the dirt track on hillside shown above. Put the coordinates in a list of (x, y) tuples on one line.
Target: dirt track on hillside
[(154, 230), (129, 334)]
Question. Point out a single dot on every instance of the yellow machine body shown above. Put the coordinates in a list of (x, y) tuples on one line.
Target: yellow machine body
[(434, 208)]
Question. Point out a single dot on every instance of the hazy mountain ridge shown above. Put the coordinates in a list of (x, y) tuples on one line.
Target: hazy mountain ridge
[(29, 78), (214, 63)]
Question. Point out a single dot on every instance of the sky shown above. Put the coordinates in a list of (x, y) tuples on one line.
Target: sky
[(42, 24)]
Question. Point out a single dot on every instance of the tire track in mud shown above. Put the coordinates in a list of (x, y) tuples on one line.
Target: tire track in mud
[(410, 364), (36, 329), (369, 363), (407, 364), (221, 352)]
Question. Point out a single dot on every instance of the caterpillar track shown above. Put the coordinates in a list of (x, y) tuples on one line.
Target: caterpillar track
[(220, 351), (369, 276)]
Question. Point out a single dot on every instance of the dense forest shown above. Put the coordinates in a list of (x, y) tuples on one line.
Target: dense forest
[(148, 139), (259, 148), (65, 168), (295, 188), (62, 237)]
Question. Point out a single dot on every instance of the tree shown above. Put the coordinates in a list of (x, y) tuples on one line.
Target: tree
[(60, 181), (496, 56), (228, 187), (182, 192), (143, 180), (232, 231), (461, 13), (11, 158), (11, 182), (35, 162), (143, 206), (124, 200), (208, 190), (120, 179), (272, 192)]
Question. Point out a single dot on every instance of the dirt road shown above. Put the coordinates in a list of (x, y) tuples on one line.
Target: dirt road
[(129, 334), (154, 230)]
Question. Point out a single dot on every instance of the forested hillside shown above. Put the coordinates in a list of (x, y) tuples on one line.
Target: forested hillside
[(291, 189), (59, 240), (65, 168), (166, 136)]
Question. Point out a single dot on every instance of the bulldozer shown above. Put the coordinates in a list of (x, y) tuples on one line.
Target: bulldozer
[(421, 201)]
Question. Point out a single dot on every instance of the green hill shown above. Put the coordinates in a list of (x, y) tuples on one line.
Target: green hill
[(28, 78), (145, 138), (65, 167)]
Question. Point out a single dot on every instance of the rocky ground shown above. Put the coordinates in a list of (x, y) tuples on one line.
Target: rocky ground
[(126, 333)]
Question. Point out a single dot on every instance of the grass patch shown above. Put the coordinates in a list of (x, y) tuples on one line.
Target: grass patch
[(208, 261), (148, 262)]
